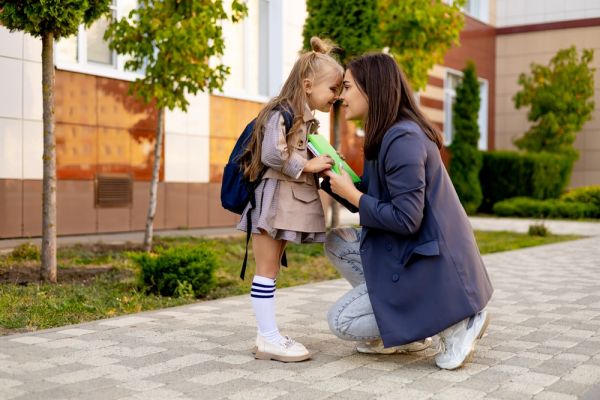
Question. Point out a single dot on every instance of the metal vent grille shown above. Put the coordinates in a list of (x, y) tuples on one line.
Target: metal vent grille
[(113, 190)]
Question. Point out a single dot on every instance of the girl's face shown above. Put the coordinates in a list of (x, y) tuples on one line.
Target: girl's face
[(323, 91), (354, 101)]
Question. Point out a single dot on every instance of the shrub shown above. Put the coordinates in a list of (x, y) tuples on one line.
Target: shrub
[(552, 208), (26, 251), (586, 194), (177, 271), (507, 174), (538, 230), (465, 163)]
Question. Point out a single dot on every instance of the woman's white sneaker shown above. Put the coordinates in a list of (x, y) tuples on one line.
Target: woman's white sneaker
[(376, 347), (458, 341), (288, 350)]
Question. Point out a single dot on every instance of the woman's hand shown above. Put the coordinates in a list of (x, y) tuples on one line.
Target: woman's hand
[(318, 164), (343, 186)]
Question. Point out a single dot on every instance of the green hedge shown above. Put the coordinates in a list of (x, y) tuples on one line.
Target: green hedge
[(586, 194), (177, 271), (552, 208), (507, 174)]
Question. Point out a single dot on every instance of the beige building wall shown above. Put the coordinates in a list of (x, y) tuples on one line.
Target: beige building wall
[(493, 10), (514, 54), (526, 12)]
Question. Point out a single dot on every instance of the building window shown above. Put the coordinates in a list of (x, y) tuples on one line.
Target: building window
[(253, 52), (453, 78), (88, 52), (97, 47), (450, 85), (478, 9)]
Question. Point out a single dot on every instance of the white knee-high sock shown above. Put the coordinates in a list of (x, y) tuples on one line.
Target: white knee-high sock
[(263, 302)]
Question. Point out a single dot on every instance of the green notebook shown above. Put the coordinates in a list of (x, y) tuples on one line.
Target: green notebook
[(317, 144)]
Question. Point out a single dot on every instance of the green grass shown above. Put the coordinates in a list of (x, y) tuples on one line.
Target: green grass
[(81, 298), (494, 242)]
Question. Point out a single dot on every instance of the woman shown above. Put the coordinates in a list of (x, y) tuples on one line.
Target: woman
[(414, 265)]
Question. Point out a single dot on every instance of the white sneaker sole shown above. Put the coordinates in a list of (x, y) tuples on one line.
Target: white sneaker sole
[(394, 350), (470, 354), (269, 356)]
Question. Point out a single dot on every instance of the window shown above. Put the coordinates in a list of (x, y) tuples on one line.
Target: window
[(450, 85), (97, 48), (253, 52), (478, 9), (453, 78), (88, 52)]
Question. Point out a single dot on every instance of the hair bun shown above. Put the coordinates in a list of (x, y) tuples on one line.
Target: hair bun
[(320, 45)]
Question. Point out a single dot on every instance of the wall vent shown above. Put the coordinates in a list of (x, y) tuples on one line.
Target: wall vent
[(113, 190)]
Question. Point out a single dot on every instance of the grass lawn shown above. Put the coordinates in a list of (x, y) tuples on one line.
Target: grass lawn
[(98, 281)]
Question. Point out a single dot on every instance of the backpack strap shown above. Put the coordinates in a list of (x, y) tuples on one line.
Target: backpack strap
[(288, 119), (248, 232)]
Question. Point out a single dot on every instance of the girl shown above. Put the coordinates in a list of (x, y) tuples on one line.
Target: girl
[(288, 206), (414, 265)]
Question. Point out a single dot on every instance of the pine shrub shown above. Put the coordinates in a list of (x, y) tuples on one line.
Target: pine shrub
[(466, 161)]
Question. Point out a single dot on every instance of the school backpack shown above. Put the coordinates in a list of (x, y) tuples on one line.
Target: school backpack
[(237, 190)]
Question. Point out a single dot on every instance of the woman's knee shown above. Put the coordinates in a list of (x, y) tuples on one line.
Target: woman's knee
[(339, 238), (335, 325), (343, 326)]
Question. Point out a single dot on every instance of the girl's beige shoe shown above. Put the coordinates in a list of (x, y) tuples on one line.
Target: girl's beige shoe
[(287, 351)]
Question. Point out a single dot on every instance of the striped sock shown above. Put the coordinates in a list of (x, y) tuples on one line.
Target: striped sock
[(263, 302)]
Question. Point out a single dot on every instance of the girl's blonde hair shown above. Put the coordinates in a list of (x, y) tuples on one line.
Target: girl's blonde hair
[(292, 98)]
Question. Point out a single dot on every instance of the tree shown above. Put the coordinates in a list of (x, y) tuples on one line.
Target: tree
[(49, 20), (466, 158), (172, 41), (560, 99), (418, 33), (353, 26)]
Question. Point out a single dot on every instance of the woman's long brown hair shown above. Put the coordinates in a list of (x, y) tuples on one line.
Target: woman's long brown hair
[(292, 98), (389, 99)]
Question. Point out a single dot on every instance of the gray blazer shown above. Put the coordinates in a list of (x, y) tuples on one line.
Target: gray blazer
[(422, 265)]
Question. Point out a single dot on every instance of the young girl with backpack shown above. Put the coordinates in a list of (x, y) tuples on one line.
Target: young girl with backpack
[(288, 206)]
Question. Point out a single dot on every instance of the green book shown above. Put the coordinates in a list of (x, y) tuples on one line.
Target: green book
[(317, 145)]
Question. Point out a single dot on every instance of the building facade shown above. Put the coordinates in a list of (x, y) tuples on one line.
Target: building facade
[(105, 138)]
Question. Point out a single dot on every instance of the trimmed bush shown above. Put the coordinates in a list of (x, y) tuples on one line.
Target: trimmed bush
[(177, 271), (586, 194), (552, 208), (507, 174)]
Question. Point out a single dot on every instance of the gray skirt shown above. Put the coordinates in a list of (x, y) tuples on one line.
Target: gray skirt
[(263, 216)]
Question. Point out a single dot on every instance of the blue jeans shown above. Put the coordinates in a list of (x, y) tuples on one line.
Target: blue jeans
[(351, 317)]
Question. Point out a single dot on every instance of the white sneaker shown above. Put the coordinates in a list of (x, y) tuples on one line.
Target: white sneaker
[(376, 347), (286, 351), (458, 341)]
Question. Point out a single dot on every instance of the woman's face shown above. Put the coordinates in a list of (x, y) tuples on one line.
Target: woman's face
[(354, 102)]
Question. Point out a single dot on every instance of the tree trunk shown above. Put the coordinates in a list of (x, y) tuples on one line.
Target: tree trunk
[(335, 206), (48, 271), (154, 183)]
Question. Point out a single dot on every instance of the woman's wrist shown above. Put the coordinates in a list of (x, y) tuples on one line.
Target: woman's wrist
[(354, 197)]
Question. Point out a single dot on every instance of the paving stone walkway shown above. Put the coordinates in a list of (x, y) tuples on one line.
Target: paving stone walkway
[(543, 343)]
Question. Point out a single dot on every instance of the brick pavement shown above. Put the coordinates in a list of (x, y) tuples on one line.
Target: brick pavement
[(543, 343)]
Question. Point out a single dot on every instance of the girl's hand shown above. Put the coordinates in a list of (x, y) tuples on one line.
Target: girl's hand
[(343, 186), (318, 164)]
